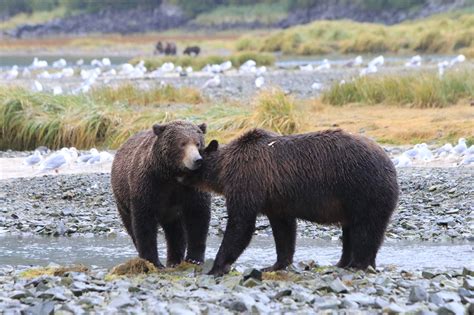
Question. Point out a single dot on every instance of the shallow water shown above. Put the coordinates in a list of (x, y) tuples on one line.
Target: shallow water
[(105, 251), (7, 61)]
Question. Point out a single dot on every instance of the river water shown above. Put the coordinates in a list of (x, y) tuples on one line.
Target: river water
[(106, 252)]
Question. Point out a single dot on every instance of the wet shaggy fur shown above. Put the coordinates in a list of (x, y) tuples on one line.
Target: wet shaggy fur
[(147, 193), (328, 177)]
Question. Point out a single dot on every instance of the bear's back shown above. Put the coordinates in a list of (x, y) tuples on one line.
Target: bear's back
[(131, 162), (289, 163)]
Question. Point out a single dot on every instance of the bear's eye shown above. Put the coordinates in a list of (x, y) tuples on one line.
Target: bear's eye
[(183, 144)]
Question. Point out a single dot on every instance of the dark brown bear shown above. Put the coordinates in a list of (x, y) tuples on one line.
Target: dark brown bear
[(328, 177), (144, 182)]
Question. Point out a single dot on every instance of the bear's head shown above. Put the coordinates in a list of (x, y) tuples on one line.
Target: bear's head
[(179, 145), (206, 178)]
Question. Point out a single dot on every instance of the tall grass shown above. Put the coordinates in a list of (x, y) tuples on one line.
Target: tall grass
[(271, 109), (200, 61), (417, 90), (444, 33), (128, 94), (104, 117)]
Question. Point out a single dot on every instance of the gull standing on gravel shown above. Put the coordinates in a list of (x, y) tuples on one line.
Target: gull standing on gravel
[(308, 67), (213, 82), (38, 86), (461, 147), (57, 90), (55, 161), (36, 64), (84, 158), (325, 65), (33, 159), (259, 82), (377, 62), (226, 66), (415, 61), (355, 63), (106, 62), (12, 73), (60, 63), (316, 86), (402, 161), (457, 59)]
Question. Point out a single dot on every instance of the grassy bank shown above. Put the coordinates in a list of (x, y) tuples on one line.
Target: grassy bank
[(416, 90), (262, 59), (445, 33), (106, 117)]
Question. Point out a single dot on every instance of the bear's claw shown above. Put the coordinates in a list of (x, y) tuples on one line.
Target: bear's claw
[(195, 262)]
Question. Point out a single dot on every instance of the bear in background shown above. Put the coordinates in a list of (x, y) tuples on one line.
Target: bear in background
[(328, 177), (144, 182)]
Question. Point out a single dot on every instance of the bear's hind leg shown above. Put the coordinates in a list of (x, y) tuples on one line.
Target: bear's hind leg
[(346, 248), (175, 241), (127, 222), (145, 228), (197, 214), (366, 239), (284, 233)]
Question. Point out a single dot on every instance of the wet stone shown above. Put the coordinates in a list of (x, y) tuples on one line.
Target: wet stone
[(452, 308), (282, 294), (42, 308), (417, 294), (237, 306), (252, 273), (338, 286), (468, 283)]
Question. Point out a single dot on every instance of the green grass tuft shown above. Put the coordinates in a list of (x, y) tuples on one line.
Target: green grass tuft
[(420, 90)]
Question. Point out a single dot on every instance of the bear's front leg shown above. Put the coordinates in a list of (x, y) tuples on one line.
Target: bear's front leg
[(175, 241), (284, 233), (197, 214), (237, 236), (145, 228)]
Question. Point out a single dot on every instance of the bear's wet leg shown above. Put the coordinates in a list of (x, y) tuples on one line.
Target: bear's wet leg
[(346, 248), (197, 214), (237, 236), (145, 229), (175, 241), (366, 239), (127, 222), (284, 233)]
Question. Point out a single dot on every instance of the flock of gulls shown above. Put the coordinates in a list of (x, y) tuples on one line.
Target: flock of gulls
[(459, 154), (47, 161), (40, 71), (420, 154)]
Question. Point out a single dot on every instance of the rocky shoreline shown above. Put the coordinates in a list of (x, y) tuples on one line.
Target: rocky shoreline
[(185, 290), (435, 205)]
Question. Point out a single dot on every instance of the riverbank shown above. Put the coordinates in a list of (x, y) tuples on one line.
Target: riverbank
[(434, 206), (306, 289)]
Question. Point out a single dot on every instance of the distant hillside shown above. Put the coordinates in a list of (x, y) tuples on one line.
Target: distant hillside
[(29, 18)]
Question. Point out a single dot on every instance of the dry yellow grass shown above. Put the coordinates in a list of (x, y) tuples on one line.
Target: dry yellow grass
[(395, 124)]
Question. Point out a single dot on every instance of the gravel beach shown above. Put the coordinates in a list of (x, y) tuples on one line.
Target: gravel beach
[(435, 204)]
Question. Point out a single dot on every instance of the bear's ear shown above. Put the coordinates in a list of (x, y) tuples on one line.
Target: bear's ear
[(203, 127), (158, 129), (212, 146)]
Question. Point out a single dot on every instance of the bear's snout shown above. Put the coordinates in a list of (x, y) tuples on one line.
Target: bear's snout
[(198, 162), (192, 159)]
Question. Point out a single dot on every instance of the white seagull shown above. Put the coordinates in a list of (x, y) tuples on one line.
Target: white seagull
[(213, 82), (259, 82)]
